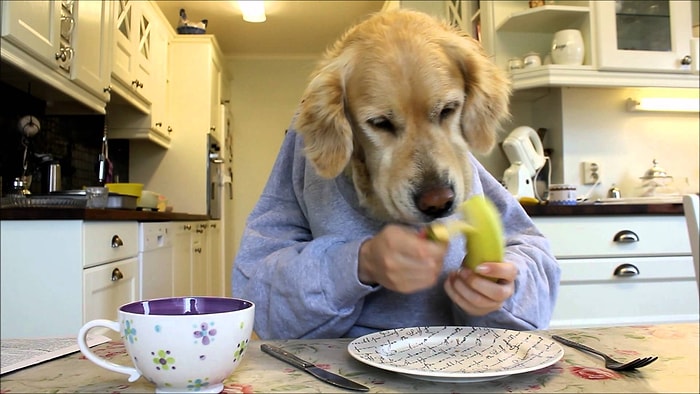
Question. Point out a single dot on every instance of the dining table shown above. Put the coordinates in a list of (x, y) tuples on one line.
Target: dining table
[(676, 370)]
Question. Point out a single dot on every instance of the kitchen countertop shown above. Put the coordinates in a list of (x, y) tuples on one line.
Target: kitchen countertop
[(150, 216), (604, 209), (95, 214), (675, 371)]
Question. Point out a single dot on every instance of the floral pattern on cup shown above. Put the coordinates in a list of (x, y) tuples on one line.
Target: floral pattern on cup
[(184, 344), (205, 333)]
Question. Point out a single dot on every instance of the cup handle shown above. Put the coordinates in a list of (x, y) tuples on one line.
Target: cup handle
[(133, 373)]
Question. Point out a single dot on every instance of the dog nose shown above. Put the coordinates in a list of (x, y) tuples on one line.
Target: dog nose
[(435, 202)]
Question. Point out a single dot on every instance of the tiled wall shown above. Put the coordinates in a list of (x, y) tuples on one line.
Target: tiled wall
[(74, 140)]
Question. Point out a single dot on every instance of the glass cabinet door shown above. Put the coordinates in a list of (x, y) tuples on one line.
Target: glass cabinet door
[(650, 36)]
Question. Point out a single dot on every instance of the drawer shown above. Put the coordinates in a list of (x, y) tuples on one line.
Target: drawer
[(575, 271), (665, 290), (594, 236), (109, 286), (109, 241)]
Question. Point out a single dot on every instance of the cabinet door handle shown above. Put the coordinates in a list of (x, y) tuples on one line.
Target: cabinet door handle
[(117, 242), (687, 60), (626, 237), (626, 270), (117, 275)]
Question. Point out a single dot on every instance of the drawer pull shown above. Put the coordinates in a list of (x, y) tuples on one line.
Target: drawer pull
[(116, 275), (626, 270), (117, 242), (626, 237)]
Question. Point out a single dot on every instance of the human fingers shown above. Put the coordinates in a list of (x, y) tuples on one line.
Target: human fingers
[(502, 272), (399, 259), (477, 294)]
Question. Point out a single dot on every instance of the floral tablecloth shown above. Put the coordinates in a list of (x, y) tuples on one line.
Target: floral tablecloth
[(677, 346)]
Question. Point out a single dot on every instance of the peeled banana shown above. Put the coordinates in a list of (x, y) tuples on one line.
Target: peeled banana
[(482, 227)]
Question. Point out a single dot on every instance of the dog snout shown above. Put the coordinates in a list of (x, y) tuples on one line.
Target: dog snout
[(435, 202)]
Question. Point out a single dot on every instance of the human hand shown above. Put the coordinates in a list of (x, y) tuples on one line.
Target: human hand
[(476, 291), (400, 259)]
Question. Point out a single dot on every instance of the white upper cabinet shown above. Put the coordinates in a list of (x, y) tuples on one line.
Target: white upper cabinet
[(132, 71), (93, 47), (141, 75), (35, 26), (64, 44), (626, 42), (650, 36)]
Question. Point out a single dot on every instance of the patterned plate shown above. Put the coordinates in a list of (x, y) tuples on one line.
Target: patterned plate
[(456, 354)]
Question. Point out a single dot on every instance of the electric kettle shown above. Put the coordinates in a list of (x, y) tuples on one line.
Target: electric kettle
[(523, 145), (526, 155)]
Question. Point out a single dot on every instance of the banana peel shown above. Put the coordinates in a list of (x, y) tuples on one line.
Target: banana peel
[(528, 201), (482, 228)]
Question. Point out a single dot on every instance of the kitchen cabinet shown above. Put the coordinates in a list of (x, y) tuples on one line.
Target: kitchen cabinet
[(107, 287), (216, 274), (35, 27), (182, 258), (622, 270), (59, 274), (132, 69), (509, 29), (652, 36), (92, 66), (193, 85), (154, 125), (199, 269), (63, 45), (190, 254)]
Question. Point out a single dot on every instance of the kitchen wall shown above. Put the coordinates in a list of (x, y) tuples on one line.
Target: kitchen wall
[(596, 127), (265, 93)]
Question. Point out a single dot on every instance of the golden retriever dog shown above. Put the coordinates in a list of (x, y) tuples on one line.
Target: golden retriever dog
[(397, 103)]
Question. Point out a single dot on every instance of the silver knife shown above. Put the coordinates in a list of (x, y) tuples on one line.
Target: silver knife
[(319, 373)]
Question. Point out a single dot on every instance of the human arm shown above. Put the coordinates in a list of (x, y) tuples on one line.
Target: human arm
[(300, 273)]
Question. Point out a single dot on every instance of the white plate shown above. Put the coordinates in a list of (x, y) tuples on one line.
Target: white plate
[(456, 354)]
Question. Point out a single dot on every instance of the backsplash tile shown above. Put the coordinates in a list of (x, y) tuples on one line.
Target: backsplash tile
[(74, 140)]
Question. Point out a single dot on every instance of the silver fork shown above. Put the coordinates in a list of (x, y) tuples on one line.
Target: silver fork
[(610, 363)]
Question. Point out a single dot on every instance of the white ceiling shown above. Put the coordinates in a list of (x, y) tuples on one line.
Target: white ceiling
[(293, 27)]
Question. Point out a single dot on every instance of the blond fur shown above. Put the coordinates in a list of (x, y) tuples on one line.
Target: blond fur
[(439, 92)]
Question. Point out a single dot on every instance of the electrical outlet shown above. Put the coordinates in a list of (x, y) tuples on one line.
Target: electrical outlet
[(590, 172)]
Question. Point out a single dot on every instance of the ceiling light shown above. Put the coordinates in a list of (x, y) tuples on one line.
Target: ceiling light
[(253, 11), (664, 104)]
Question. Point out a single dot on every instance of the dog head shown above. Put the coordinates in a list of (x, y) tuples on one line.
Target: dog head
[(397, 103)]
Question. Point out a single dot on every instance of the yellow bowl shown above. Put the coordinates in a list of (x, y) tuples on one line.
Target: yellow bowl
[(127, 189)]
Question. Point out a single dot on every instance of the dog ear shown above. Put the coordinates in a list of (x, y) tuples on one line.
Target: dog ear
[(487, 89), (323, 123)]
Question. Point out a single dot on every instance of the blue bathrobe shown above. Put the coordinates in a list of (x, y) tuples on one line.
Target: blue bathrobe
[(298, 261)]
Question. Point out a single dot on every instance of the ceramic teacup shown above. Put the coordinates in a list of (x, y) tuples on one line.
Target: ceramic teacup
[(180, 344)]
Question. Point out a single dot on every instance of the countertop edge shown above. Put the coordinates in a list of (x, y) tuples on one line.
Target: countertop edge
[(150, 216), (96, 215), (603, 209)]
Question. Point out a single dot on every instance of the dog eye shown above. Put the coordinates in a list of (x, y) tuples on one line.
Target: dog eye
[(447, 111), (382, 123)]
